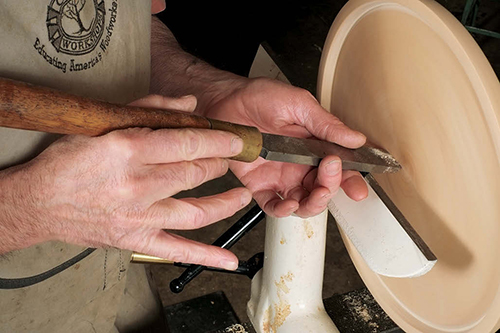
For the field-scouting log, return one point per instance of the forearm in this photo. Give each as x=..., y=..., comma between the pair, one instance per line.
x=175, y=72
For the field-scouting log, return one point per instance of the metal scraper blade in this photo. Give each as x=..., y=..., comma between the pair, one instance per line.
x=381, y=234
x=311, y=152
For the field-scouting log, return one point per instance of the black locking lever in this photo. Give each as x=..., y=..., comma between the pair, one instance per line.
x=225, y=241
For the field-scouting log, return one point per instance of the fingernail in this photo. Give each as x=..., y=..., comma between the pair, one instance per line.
x=186, y=96
x=325, y=198
x=228, y=264
x=246, y=198
x=225, y=165
x=236, y=145
x=333, y=167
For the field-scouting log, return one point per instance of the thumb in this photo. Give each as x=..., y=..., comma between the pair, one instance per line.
x=185, y=103
x=157, y=6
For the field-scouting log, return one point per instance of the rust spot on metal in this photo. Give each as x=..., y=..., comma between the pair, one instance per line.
x=308, y=229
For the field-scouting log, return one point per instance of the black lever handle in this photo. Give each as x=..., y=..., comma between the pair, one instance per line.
x=248, y=268
x=225, y=241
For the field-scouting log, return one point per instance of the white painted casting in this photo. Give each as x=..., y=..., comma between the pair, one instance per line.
x=287, y=292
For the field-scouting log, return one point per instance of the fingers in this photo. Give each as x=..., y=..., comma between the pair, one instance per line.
x=326, y=126
x=273, y=205
x=173, y=247
x=322, y=183
x=308, y=199
x=176, y=145
x=354, y=185
x=157, y=6
x=160, y=181
x=297, y=193
x=185, y=103
x=330, y=174
x=192, y=213
x=315, y=203
x=188, y=213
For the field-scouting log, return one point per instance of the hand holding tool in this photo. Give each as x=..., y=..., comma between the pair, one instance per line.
x=29, y=107
x=25, y=106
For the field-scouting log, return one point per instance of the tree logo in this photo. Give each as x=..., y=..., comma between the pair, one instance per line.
x=75, y=26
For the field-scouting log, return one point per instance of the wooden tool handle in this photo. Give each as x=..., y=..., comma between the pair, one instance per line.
x=25, y=106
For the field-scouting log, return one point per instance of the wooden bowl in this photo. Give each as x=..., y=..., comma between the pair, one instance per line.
x=409, y=75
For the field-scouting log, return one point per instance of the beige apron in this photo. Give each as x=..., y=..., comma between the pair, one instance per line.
x=95, y=48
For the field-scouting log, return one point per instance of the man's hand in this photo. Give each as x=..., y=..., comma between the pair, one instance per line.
x=274, y=107
x=116, y=190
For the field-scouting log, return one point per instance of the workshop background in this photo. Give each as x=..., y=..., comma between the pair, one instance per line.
x=227, y=35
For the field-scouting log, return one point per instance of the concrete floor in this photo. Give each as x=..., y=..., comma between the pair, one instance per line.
x=311, y=25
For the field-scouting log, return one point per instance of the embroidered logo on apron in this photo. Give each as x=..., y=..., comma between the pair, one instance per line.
x=75, y=26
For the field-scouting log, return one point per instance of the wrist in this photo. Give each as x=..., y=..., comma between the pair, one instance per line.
x=18, y=220
x=176, y=73
x=218, y=89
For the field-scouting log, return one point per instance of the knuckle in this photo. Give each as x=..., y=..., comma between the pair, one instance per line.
x=199, y=216
x=195, y=174
x=306, y=94
x=126, y=142
x=259, y=81
x=180, y=254
x=127, y=190
x=192, y=144
x=119, y=143
x=140, y=241
x=326, y=129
